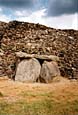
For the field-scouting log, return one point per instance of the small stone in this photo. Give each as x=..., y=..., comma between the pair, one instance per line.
x=1, y=54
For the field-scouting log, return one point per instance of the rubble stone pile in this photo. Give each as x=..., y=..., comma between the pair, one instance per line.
x=37, y=39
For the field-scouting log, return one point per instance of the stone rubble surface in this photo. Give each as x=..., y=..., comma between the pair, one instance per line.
x=37, y=39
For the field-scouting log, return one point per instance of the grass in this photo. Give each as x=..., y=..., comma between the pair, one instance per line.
x=38, y=99
x=46, y=106
x=38, y=94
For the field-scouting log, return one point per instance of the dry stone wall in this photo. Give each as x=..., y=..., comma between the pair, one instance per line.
x=38, y=39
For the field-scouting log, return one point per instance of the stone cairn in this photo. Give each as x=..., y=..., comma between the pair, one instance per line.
x=37, y=39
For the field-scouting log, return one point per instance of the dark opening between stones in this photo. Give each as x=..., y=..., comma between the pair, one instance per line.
x=21, y=59
x=41, y=80
x=41, y=61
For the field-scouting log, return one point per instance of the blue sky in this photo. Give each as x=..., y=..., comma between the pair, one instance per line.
x=53, y=13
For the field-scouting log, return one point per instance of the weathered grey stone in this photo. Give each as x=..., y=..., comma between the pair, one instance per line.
x=42, y=57
x=49, y=71
x=47, y=57
x=28, y=70
x=23, y=55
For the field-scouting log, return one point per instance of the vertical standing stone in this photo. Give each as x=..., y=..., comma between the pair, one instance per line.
x=28, y=70
x=49, y=71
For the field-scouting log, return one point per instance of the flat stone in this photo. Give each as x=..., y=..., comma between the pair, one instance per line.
x=47, y=57
x=23, y=55
x=42, y=57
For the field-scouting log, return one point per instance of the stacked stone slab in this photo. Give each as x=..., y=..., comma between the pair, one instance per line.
x=33, y=67
x=38, y=39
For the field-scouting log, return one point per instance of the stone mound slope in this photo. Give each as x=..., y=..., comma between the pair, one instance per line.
x=38, y=39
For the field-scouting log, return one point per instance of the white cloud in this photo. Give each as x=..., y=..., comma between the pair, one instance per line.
x=23, y=13
x=75, y=22
x=35, y=17
x=62, y=22
x=3, y=17
x=0, y=9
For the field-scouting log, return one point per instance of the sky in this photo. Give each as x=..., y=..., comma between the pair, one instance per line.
x=60, y=14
